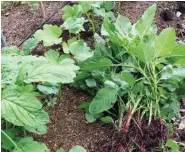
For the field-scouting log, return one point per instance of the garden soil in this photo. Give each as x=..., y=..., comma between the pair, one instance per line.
x=67, y=126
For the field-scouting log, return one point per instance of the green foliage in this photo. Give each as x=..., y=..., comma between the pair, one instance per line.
x=50, y=35
x=20, y=105
x=74, y=25
x=29, y=145
x=103, y=101
x=134, y=68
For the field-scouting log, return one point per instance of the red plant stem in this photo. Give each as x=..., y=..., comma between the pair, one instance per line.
x=127, y=124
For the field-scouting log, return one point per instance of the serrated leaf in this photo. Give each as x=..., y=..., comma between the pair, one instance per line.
x=128, y=78
x=77, y=149
x=22, y=108
x=74, y=25
x=102, y=13
x=12, y=50
x=104, y=100
x=142, y=26
x=52, y=56
x=123, y=25
x=86, y=6
x=50, y=69
x=80, y=50
x=50, y=35
x=165, y=42
x=29, y=145
x=71, y=11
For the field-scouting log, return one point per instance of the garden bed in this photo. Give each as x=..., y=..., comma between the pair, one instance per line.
x=67, y=126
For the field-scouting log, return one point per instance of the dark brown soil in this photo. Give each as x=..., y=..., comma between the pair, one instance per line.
x=140, y=138
x=67, y=126
x=18, y=22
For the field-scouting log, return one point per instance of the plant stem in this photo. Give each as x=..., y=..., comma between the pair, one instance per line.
x=120, y=115
x=90, y=20
x=9, y=138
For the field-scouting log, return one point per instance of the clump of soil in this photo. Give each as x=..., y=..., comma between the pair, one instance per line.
x=140, y=138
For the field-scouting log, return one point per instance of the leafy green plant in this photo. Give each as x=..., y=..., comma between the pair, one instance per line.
x=135, y=69
x=20, y=106
x=74, y=16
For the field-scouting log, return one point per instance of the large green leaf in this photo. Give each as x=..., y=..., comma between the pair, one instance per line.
x=22, y=108
x=71, y=11
x=144, y=52
x=77, y=149
x=80, y=50
x=51, y=69
x=123, y=25
x=29, y=145
x=142, y=26
x=93, y=64
x=50, y=35
x=74, y=25
x=104, y=100
x=165, y=42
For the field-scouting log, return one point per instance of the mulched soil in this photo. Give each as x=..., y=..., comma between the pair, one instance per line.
x=67, y=126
